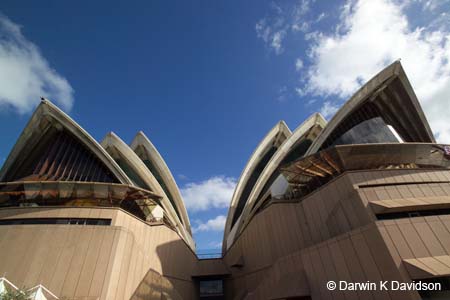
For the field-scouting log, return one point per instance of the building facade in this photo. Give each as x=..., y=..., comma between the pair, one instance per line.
x=364, y=198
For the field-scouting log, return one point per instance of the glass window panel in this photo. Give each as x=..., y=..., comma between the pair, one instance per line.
x=370, y=131
x=211, y=287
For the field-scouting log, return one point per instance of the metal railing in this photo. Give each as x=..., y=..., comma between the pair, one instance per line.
x=209, y=253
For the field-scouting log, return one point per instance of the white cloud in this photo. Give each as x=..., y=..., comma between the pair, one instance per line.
x=274, y=30
x=25, y=75
x=282, y=94
x=277, y=39
x=183, y=177
x=215, y=245
x=432, y=5
x=303, y=27
x=321, y=17
x=216, y=224
x=328, y=109
x=298, y=16
x=362, y=45
x=215, y=192
x=298, y=64
x=272, y=35
x=302, y=7
x=300, y=91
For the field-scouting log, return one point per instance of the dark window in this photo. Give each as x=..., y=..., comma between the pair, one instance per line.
x=364, y=125
x=63, y=221
x=412, y=214
x=370, y=131
x=210, y=288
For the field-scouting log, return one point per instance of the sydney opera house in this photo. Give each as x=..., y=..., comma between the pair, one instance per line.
x=364, y=197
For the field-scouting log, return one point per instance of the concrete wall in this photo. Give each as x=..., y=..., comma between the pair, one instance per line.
x=288, y=249
x=293, y=249
x=96, y=262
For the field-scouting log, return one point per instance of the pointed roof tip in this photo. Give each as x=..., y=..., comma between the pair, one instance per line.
x=282, y=122
x=108, y=138
x=140, y=133
x=45, y=101
x=48, y=102
x=398, y=67
x=282, y=125
x=318, y=115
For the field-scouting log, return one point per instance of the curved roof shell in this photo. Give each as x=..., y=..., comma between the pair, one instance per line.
x=148, y=153
x=48, y=116
x=259, y=158
x=141, y=176
x=308, y=130
x=391, y=94
x=387, y=95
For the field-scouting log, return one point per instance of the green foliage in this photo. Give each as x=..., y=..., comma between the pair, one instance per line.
x=15, y=295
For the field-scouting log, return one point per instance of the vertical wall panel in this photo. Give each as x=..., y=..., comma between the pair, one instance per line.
x=76, y=263
x=89, y=263
x=100, y=276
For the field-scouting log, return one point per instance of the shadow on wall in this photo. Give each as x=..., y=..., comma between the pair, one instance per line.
x=178, y=263
x=155, y=286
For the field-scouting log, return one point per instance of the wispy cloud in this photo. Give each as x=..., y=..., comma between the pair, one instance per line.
x=272, y=35
x=182, y=177
x=25, y=75
x=328, y=109
x=282, y=94
x=283, y=21
x=320, y=17
x=215, y=245
x=298, y=64
x=298, y=19
x=339, y=59
x=216, y=224
x=274, y=29
x=214, y=192
x=433, y=5
x=363, y=45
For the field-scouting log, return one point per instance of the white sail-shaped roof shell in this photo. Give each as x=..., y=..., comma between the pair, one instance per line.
x=150, y=153
x=391, y=94
x=119, y=149
x=276, y=136
x=403, y=105
x=48, y=115
x=314, y=121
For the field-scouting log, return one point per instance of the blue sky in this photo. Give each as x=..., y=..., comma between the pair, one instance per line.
x=205, y=80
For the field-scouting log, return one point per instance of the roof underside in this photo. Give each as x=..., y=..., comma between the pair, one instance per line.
x=388, y=95
x=53, y=147
x=322, y=166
